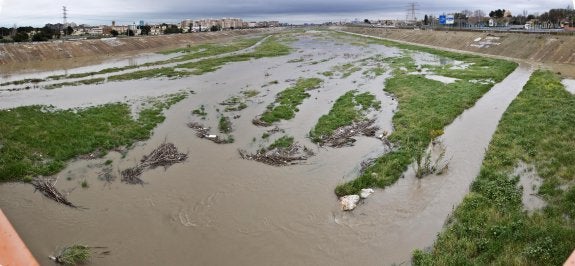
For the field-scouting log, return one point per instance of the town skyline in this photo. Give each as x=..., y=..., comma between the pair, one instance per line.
x=39, y=13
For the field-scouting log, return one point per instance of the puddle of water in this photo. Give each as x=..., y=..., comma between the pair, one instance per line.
x=569, y=85
x=530, y=181
x=442, y=79
x=216, y=203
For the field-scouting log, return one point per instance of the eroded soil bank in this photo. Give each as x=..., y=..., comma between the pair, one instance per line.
x=553, y=51
x=56, y=55
x=216, y=203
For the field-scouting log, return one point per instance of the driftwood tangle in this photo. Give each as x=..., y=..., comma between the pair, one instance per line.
x=279, y=156
x=48, y=189
x=204, y=133
x=343, y=136
x=165, y=155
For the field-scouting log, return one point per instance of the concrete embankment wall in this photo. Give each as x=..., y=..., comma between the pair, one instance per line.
x=20, y=55
x=556, y=51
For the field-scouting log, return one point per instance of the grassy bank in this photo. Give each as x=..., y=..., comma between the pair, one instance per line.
x=287, y=101
x=347, y=109
x=39, y=140
x=425, y=107
x=490, y=226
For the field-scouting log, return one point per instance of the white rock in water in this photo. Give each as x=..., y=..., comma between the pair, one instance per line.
x=366, y=192
x=349, y=202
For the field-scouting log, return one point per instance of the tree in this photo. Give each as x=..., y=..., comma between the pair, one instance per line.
x=145, y=30
x=215, y=28
x=425, y=20
x=114, y=33
x=21, y=37
x=172, y=29
x=499, y=13
x=366, y=21
x=69, y=30
x=130, y=33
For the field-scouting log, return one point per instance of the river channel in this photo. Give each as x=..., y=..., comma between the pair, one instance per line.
x=218, y=209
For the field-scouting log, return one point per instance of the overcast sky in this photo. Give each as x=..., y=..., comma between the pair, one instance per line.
x=96, y=12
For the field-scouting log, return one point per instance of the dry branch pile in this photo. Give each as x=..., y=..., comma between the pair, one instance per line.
x=165, y=155
x=280, y=156
x=343, y=136
x=48, y=189
x=204, y=133
x=258, y=122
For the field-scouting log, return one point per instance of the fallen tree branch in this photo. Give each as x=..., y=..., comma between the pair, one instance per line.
x=48, y=189
x=165, y=155
x=279, y=156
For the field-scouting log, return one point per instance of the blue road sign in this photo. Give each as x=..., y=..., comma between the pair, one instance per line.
x=442, y=19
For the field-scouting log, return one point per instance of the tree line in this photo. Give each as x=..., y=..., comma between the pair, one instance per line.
x=553, y=17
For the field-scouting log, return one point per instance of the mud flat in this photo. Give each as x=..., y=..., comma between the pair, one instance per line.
x=216, y=203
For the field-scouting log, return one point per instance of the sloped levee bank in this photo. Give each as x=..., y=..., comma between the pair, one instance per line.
x=556, y=52
x=495, y=224
x=67, y=54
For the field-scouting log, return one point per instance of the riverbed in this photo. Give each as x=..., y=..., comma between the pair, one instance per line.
x=218, y=209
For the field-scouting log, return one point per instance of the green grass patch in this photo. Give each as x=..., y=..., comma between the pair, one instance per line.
x=250, y=93
x=347, y=109
x=269, y=48
x=346, y=70
x=75, y=83
x=168, y=72
x=327, y=73
x=425, y=106
x=490, y=226
x=225, y=125
x=200, y=111
x=283, y=142
x=287, y=101
x=39, y=140
x=21, y=82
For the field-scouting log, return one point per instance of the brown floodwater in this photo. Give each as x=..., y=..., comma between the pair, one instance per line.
x=217, y=209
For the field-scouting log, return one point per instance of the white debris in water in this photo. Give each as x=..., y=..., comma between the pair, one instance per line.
x=446, y=80
x=483, y=81
x=569, y=85
x=530, y=181
x=365, y=193
x=349, y=202
x=461, y=66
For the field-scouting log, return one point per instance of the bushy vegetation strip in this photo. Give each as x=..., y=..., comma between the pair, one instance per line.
x=39, y=140
x=491, y=226
x=425, y=107
x=349, y=108
x=287, y=101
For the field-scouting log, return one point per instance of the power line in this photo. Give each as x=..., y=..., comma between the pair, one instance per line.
x=64, y=19
x=411, y=10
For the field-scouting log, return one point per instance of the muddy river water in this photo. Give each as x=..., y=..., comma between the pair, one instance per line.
x=217, y=209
